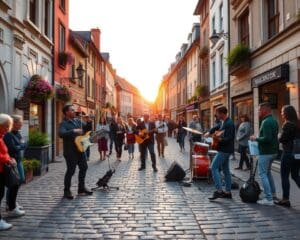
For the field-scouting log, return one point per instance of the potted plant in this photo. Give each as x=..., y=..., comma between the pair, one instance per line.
x=201, y=91
x=63, y=94
x=29, y=166
x=38, y=148
x=38, y=89
x=238, y=59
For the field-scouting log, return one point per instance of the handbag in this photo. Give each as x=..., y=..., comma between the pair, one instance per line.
x=11, y=176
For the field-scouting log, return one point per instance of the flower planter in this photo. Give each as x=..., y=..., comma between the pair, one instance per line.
x=239, y=69
x=28, y=175
x=40, y=153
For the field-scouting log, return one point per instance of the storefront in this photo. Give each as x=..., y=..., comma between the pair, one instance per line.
x=205, y=115
x=191, y=109
x=271, y=87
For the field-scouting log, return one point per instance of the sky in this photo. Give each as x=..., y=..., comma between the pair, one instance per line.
x=141, y=36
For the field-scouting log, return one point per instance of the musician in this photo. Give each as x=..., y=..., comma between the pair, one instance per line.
x=69, y=129
x=224, y=133
x=162, y=129
x=148, y=143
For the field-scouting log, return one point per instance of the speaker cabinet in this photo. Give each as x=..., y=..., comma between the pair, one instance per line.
x=175, y=172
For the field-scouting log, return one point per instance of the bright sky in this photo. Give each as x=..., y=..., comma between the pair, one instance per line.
x=141, y=36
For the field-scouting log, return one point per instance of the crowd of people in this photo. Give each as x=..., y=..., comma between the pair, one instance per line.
x=145, y=132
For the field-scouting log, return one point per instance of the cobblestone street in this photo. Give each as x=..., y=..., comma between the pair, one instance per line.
x=145, y=207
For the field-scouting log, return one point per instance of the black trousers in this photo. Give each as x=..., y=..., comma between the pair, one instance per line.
x=150, y=147
x=244, y=156
x=12, y=193
x=118, y=147
x=72, y=162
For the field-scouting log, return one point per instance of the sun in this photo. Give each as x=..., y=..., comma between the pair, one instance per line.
x=148, y=91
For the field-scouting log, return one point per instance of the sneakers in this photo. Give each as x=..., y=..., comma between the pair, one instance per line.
x=16, y=212
x=141, y=168
x=4, y=225
x=84, y=192
x=17, y=205
x=284, y=203
x=216, y=194
x=68, y=194
x=265, y=202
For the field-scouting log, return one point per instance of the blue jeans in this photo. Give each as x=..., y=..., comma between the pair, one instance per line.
x=130, y=148
x=264, y=168
x=221, y=162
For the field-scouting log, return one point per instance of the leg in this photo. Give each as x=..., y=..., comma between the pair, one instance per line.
x=270, y=176
x=215, y=166
x=2, y=188
x=143, y=149
x=158, y=144
x=152, y=154
x=295, y=171
x=12, y=197
x=226, y=171
x=71, y=166
x=263, y=166
x=285, y=173
x=82, y=164
x=21, y=171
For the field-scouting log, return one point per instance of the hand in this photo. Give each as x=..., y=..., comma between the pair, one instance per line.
x=206, y=135
x=78, y=130
x=252, y=138
x=13, y=162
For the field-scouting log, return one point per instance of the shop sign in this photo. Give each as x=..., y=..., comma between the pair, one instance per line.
x=279, y=72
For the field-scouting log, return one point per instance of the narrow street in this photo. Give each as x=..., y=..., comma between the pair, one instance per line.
x=145, y=207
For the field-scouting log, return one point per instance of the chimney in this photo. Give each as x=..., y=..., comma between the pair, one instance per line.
x=96, y=37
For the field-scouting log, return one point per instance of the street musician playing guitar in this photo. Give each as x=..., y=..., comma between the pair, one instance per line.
x=223, y=135
x=146, y=130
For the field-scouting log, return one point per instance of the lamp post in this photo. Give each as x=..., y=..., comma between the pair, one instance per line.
x=214, y=38
x=80, y=73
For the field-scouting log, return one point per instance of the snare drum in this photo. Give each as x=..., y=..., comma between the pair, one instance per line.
x=201, y=166
x=200, y=148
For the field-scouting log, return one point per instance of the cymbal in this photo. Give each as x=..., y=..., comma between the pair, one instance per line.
x=192, y=130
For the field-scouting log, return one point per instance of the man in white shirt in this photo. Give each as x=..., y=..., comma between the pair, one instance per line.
x=162, y=129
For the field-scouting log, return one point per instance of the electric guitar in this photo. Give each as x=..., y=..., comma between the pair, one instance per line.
x=84, y=141
x=143, y=135
x=216, y=139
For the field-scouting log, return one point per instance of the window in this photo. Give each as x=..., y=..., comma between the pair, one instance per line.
x=62, y=38
x=244, y=28
x=273, y=18
x=213, y=25
x=62, y=4
x=47, y=18
x=214, y=74
x=1, y=35
x=221, y=69
x=33, y=11
x=221, y=17
x=89, y=86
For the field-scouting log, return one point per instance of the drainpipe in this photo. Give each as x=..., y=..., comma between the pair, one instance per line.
x=53, y=99
x=228, y=47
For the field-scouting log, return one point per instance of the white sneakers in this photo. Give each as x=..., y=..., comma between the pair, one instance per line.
x=4, y=225
x=17, y=212
x=265, y=202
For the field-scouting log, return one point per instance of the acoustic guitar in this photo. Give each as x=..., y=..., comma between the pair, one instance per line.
x=216, y=139
x=143, y=135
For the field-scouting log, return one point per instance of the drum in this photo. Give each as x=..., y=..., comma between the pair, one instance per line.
x=212, y=154
x=200, y=148
x=201, y=166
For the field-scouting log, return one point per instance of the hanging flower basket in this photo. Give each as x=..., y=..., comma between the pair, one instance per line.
x=65, y=58
x=63, y=94
x=38, y=89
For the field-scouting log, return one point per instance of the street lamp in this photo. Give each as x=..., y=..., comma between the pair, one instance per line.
x=80, y=73
x=214, y=38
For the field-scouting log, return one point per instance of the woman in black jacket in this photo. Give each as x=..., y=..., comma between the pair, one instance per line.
x=290, y=131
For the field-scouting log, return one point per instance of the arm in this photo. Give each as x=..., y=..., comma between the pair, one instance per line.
x=4, y=156
x=228, y=133
x=65, y=133
x=11, y=145
x=288, y=133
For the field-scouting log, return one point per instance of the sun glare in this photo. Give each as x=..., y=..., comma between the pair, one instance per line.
x=149, y=92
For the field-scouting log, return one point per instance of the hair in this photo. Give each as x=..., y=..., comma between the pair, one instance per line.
x=5, y=118
x=222, y=110
x=102, y=117
x=17, y=118
x=66, y=108
x=245, y=116
x=290, y=114
x=133, y=122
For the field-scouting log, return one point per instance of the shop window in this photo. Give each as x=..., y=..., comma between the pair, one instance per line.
x=273, y=17
x=244, y=28
x=36, y=117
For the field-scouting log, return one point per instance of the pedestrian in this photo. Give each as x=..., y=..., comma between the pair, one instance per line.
x=162, y=129
x=16, y=146
x=6, y=123
x=69, y=129
x=224, y=133
x=146, y=130
x=181, y=133
x=119, y=137
x=242, y=137
x=268, y=150
x=112, y=132
x=88, y=127
x=195, y=124
x=103, y=136
x=130, y=137
x=289, y=165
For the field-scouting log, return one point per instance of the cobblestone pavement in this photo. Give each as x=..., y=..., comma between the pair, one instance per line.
x=145, y=207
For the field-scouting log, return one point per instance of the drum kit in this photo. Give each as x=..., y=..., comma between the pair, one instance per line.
x=201, y=158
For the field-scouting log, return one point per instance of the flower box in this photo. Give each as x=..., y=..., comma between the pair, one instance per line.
x=63, y=94
x=38, y=89
x=65, y=58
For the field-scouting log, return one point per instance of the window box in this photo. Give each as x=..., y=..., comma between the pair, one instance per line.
x=238, y=59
